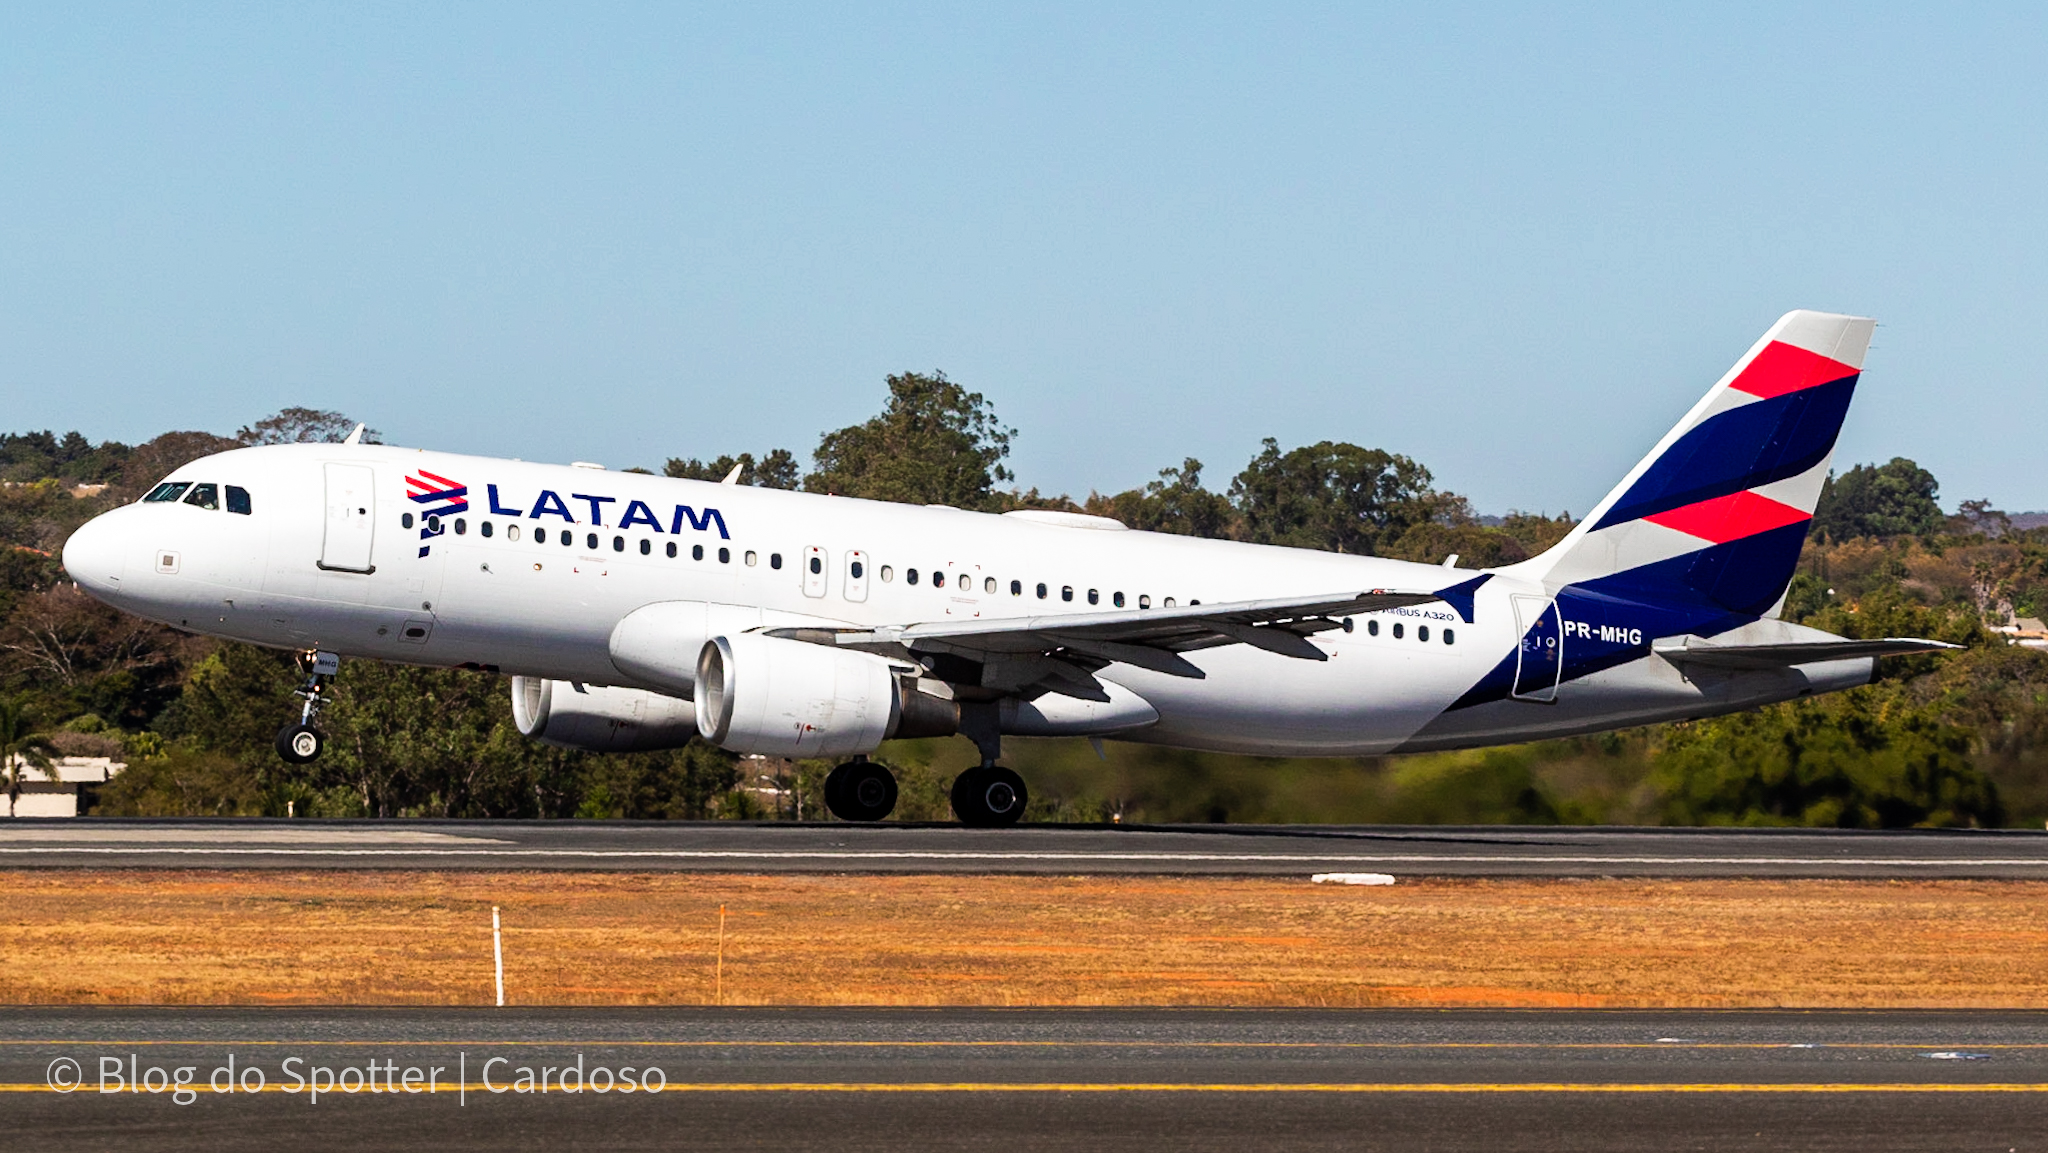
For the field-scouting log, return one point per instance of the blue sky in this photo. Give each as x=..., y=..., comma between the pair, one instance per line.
x=1514, y=243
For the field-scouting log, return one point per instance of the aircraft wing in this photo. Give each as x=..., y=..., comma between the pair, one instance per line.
x=1061, y=652
x=1705, y=654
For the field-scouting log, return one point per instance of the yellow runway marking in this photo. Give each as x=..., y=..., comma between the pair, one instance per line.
x=1195, y=1087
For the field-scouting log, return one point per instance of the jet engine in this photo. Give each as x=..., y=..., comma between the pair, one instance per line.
x=600, y=718
x=790, y=698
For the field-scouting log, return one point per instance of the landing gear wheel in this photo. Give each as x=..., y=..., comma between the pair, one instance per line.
x=860, y=791
x=989, y=797
x=300, y=744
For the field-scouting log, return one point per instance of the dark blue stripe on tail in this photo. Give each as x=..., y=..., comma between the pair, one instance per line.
x=1740, y=449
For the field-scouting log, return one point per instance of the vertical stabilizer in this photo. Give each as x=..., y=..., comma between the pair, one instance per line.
x=1715, y=516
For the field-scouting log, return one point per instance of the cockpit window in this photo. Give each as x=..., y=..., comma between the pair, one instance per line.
x=238, y=499
x=204, y=495
x=168, y=490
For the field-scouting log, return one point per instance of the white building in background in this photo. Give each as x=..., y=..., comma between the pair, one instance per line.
x=65, y=788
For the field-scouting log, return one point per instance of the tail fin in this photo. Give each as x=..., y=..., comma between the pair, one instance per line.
x=1716, y=514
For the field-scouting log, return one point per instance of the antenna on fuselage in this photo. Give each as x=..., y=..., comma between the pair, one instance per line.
x=354, y=437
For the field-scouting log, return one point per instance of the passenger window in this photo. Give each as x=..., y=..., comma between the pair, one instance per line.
x=1117, y=599
x=725, y=556
x=856, y=569
x=1041, y=590
x=618, y=544
x=405, y=521
x=461, y=527
x=1168, y=603
x=1066, y=592
x=989, y=585
x=484, y=528
x=818, y=566
x=1144, y=602
x=1450, y=636
x=238, y=499
x=1397, y=630
x=753, y=558
x=671, y=550
x=1372, y=628
x=966, y=583
x=168, y=490
x=1094, y=598
x=434, y=524
x=1421, y=632
x=1016, y=588
x=888, y=573
x=696, y=552
x=646, y=547
x=511, y=532
x=910, y=576
x=205, y=496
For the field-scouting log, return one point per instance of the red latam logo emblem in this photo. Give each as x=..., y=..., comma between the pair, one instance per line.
x=438, y=497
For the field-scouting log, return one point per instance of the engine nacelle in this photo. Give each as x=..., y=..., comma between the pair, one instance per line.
x=600, y=718
x=790, y=698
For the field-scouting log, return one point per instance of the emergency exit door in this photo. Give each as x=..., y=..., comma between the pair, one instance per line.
x=1541, y=659
x=351, y=523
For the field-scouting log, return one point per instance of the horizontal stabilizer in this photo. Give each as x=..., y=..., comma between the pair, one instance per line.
x=1692, y=651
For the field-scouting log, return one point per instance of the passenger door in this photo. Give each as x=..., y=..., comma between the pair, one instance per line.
x=1541, y=659
x=351, y=519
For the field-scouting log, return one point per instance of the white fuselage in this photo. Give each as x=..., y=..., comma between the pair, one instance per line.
x=519, y=584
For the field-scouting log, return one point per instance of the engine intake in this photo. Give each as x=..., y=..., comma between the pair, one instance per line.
x=600, y=718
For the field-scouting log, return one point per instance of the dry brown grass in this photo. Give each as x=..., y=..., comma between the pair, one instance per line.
x=408, y=938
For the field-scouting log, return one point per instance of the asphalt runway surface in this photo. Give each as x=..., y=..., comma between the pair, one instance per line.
x=1022, y=1080
x=724, y=846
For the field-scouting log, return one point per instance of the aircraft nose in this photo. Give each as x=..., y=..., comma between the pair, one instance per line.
x=94, y=556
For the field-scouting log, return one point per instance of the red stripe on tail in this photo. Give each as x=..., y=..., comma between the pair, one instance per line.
x=1727, y=518
x=1781, y=368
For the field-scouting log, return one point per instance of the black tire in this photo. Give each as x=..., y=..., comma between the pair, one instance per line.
x=989, y=797
x=861, y=791
x=300, y=744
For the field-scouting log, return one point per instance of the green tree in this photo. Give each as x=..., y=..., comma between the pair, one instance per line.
x=1333, y=496
x=777, y=468
x=1891, y=499
x=21, y=748
x=1868, y=758
x=933, y=443
x=297, y=425
x=1175, y=503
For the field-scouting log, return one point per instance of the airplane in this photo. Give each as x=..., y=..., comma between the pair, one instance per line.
x=636, y=612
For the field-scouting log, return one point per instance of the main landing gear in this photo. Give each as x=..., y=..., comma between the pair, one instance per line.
x=860, y=791
x=301, y=743
x=988, y=796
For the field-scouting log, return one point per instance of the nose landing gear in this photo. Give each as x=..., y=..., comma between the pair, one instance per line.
x=300, y=743
x=860, y=791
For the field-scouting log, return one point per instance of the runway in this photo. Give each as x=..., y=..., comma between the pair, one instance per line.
x=1024, y=1080
x=723, y=846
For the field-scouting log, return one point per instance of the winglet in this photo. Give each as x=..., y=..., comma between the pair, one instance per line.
x=1459, y=596
x=733, y=477
x=355, y=436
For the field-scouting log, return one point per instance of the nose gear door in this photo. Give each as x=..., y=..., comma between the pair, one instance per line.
x=1541, y=660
